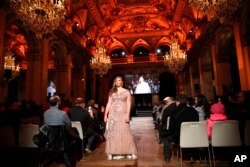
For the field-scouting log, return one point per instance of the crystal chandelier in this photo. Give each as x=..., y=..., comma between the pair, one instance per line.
x=176, y=58
x=9, y=65
x=41, y=16
x=101, y=62
x=217, y=9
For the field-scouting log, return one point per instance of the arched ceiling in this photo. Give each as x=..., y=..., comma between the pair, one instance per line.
x=121, y=23
x=128, y=24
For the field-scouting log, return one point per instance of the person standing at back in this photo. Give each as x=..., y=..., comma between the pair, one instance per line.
x=119, y=139
x=166, y=135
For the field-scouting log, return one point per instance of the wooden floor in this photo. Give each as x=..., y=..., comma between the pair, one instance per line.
x=150, y=152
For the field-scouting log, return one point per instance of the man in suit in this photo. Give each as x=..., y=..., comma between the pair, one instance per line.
x=80, y=113
x=165, y=133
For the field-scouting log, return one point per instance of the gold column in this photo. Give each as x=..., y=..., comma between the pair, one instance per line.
x=78, y=82
x=2, y=82
x=191, y=81
x=243, y=60
x=201, y=78
x=180, y=83
x=37, y=72
x=93, y=85
x=246, y=50
x=63, y=81
x=218, y=89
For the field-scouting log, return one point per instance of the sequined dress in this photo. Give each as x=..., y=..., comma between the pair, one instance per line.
x=119, y=136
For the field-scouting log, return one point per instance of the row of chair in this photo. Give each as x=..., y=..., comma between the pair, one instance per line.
x=25, y=135
x=224, y=134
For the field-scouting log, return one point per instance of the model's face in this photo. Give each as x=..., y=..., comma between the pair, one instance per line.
x=118, y=82
x=196, y=100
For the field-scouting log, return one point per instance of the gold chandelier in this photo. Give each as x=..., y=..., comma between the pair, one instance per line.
x=101, y=62
x=217, y=9
x=176, y=58
x=9, y=65
x=41, y=16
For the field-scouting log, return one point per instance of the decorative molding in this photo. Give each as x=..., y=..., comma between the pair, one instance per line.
x=95, y=13
x=179, y=10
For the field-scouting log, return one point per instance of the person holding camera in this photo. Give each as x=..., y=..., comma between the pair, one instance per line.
x=86, y=117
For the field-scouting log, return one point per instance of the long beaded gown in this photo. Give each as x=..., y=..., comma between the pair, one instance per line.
x=119, y=136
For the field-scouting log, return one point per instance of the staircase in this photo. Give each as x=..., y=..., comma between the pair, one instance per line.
x=142, y=123
x=143, y=112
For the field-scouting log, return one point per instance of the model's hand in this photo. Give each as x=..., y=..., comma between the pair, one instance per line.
x=127, y=119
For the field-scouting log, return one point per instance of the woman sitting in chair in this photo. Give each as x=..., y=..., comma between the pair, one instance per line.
x=217, y=114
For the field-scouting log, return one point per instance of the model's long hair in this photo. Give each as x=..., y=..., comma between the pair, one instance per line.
x=114, y=87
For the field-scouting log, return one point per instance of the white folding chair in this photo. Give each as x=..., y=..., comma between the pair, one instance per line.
x=78, y=126
x=194, y=135
x=26, y=133
x=247, y=133
x=7, y=137
x=225, y=134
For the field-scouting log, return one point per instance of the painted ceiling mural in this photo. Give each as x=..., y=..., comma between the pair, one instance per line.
x=121, y=23
x=128, y=24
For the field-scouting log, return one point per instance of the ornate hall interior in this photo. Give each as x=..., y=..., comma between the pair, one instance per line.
x=136, y=37
x=75, y=48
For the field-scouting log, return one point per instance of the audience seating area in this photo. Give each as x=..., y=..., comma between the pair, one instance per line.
x=225, y=134
x=194, y=135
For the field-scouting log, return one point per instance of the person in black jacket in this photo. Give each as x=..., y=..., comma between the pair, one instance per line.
x=165, y=133
x=80, y=113
x=183, y=113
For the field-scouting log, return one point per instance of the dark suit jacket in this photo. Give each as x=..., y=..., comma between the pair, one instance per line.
x=166, y=113
x=77, y=113
x=183, y=113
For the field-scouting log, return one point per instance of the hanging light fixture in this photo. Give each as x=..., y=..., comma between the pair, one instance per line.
x=100, y=63
x=217, y=9
x=176, y=58
x=10, y=68
x=41, y=16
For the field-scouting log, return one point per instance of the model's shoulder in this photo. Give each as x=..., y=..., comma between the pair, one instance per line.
x=126, y=91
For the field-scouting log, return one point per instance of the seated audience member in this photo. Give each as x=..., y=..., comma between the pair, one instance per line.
x=80, y=113
x=202, y=107
x=55, y=117
x=183, y=113
x=217, y=114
